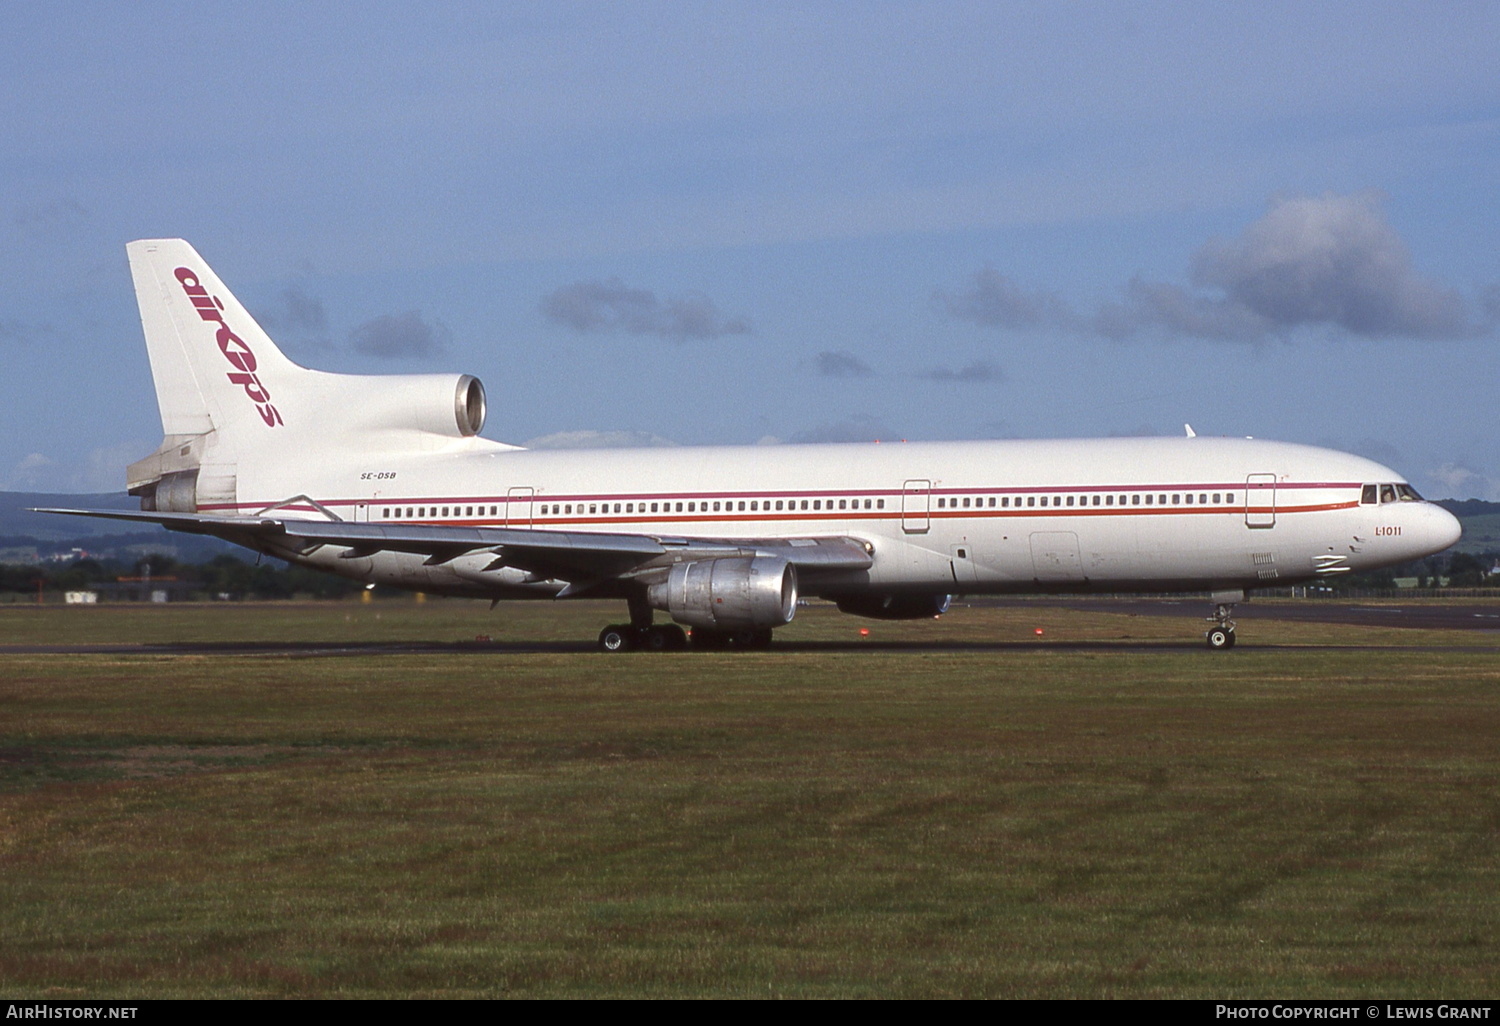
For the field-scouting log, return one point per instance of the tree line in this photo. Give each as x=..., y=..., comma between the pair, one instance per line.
x=220, y=576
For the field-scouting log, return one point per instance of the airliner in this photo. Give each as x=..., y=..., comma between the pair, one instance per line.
x=386, y=480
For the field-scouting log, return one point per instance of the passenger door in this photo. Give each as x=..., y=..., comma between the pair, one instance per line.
x=916, y=506
x=518, y=503
x=1260, y=500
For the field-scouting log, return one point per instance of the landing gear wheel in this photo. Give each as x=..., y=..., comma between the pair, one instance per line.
x=748, y=638
x=708, y=640
x=1221, y=638
x=617, y=637
x=1221, y=635
x=667, y=638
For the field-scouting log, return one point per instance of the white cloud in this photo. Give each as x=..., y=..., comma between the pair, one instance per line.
x=598, y=440
x=102, y=470
x=1463, y=482
x=974, y=373
x=393, y=336
x=30, y=474
x=995, y=301
x=858, y=428
x=1331, y=260
x=842, y=364
x=1311, y=261
x=612, y=306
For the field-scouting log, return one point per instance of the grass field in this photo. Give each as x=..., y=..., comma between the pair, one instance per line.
x=946, y=808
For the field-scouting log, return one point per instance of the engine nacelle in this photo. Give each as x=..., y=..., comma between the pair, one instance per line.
x=187, y=491
x=896, y=607
x=172, y=493
x=735, y=592
x=441, y=404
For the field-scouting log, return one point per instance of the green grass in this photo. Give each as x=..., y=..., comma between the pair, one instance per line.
x=1020, y=819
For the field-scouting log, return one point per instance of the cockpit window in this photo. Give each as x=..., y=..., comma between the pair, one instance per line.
x=1367, y=495
x=1408, y=493
x=1387, y=493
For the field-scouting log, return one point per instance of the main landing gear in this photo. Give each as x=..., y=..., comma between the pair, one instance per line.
x=748, y=637
x=622, y=637
x=640, y=635
x=1221, y=634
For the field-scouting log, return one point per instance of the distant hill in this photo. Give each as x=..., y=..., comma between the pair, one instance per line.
x=1463, y=508
x=1481, y=522
x=17, y=522
x=40, y=534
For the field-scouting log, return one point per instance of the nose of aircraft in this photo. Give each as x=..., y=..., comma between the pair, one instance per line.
x=1439, y=529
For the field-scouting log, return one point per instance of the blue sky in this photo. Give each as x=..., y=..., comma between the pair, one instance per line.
x=736, y=223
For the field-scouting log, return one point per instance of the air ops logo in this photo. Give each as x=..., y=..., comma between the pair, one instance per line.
x=211, y=308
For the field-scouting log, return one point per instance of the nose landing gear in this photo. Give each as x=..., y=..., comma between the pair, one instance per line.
x=1221, y=634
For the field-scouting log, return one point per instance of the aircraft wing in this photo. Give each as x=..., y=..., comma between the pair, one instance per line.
x=579, y=557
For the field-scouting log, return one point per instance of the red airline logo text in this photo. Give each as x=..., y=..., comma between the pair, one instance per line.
x=211, y=308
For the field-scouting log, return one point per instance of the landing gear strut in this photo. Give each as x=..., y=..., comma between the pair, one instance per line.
x=640, y=634
x=1221, y=634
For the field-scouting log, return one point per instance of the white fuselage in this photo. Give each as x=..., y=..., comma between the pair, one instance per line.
x=1120, y=514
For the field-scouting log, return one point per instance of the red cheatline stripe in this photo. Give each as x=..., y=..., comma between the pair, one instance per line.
x=893, y=496
x=638, y=521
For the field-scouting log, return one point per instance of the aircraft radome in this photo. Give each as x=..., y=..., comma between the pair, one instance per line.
x=385, y=479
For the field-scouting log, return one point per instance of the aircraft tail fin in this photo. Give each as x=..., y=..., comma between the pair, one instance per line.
x=214, y=367
x=218, y=376
x=228, y=396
